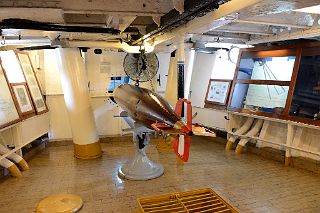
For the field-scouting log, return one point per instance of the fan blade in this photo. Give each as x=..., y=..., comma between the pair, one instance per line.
x=181, y=146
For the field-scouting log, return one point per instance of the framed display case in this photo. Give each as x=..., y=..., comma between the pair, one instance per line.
x=22, y=98
x=218, y=92
x=305, y=104
x=32, y=82
x=8, y=111
x=278, y=82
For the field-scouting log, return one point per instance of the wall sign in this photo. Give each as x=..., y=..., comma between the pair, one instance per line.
x=8, y=110
x=32, y=82
x=23, y=99
x=218, y=92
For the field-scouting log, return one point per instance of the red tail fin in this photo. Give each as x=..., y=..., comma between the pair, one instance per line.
x=181, y=146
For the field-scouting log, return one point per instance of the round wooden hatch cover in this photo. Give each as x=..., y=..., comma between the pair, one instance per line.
x=60, y=203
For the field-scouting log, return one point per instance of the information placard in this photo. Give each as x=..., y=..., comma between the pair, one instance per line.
x=8, y=110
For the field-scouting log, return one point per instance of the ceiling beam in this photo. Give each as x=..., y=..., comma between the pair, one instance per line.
x=242, y=31
x=205, y=23
x=271, y=23
x=213, y=37
x=307, y=33
x=125, y=22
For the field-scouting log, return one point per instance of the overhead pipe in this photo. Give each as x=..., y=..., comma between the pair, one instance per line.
x=105, y=44
x=15, y=157
x=253, y=132
x=36, y=25
x=243, y=129
x=12, y=168
x=272, y=24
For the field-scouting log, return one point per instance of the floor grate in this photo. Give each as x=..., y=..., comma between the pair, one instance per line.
x=200, y=200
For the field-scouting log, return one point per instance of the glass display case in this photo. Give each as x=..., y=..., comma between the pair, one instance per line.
x=262, y=82
x=271, y=68
x=306, y=95
x=279, y=82
x=259, y=98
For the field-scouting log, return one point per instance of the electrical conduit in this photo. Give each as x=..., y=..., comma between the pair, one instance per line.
x=243, y=129
x=253, y=132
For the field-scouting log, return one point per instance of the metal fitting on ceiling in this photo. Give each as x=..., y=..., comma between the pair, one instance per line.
x=172, y=20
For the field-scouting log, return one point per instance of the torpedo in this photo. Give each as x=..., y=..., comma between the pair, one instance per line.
x=154, y=112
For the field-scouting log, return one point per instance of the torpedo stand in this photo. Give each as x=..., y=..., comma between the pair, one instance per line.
x=140, y=167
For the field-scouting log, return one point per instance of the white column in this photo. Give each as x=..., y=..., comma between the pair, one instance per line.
x=180, y=68
x=188, y=74
x=172, y=82
x=76, y=96
x=290, y=136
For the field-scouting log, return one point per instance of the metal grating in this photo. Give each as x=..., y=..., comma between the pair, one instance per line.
x=201, y=200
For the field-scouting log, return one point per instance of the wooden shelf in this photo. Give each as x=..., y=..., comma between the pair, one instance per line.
x=274, y=143
x=27, y=131
x=275, y=120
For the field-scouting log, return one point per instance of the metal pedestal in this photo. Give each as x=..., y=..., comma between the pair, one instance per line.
x=140, y=167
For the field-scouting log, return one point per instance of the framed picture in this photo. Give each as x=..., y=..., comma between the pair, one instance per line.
x=32, y=82
x=8, y=111
x=218, y=92
x=22, y=98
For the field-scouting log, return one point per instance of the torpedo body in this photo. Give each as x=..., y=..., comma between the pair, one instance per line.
x=145, y=106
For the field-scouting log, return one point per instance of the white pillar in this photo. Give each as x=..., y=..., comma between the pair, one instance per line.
x=188, y=74
x=172, y=82
x=180, y=68
x=76, y=96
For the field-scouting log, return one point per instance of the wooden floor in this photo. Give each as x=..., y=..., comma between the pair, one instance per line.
x=248, y=182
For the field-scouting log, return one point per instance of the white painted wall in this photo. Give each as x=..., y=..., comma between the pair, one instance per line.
x=202, y=71
x=164, y=60
x=206, y=66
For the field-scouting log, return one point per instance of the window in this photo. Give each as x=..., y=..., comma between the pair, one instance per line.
x=115, y=81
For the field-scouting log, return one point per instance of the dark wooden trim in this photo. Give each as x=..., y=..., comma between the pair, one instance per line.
x=269, y=53
x=227, y=95
x=235, y=76
x=311, y=51
x=25, y=53
x=263, y=82
x=29, y=113
x=292, y=82
x=281, y=47
x=214, y=106
x=11, y=92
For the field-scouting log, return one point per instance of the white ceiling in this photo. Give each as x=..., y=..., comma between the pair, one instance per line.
x=238, y=21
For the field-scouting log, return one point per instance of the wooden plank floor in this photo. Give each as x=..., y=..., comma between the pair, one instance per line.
x=248, y=182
